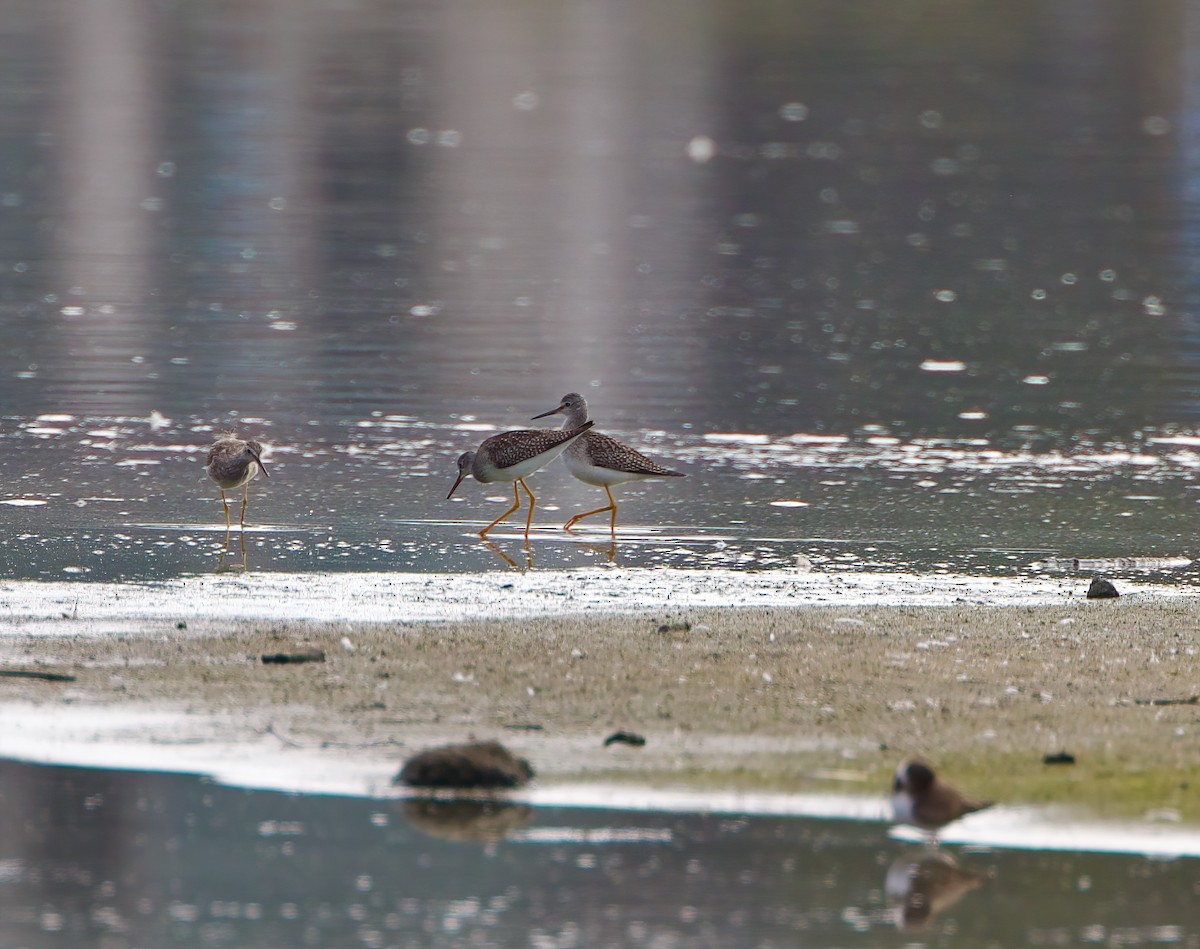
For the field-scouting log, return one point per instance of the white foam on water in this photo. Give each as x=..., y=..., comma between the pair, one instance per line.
x=33, y=607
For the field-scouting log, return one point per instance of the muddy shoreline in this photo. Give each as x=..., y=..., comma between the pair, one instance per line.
x=776, y=699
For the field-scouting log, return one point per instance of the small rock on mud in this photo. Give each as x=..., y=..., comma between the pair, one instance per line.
x=285, y=658
x=1101, y=589
x=472, y=765
x=625, y=738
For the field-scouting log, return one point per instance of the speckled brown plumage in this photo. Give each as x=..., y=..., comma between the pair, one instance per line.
x=602, y=461
x=233, y=463
x=511, y=448
x=514, y=456
x=604, y=452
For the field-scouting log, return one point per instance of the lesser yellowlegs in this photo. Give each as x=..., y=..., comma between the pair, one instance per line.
x=514, y=456
x=233, y=463
x=602, y=461
x=922, y=799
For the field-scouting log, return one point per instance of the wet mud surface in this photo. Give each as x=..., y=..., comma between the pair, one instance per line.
x=820, y=698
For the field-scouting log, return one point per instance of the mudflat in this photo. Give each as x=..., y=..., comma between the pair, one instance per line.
x=804, y=698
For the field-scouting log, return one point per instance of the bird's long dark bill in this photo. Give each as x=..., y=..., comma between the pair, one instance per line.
x=261, y=466
x=461, y=475
x=544, y=414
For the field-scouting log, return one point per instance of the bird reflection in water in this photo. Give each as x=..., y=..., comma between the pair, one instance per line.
x=608, y=551
x=924, y=884
x=223, y=564
x=499, y=552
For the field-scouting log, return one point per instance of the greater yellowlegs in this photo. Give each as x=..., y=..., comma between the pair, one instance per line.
x=922, y=799
x=514, y=456
x=602, y=461
x=233, y=463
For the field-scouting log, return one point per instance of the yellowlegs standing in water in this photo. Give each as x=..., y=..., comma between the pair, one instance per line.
x=233, y=463
x=514, y=456
x=602, y=461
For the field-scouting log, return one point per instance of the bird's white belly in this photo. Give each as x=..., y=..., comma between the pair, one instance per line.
x=522, y=469
x=902, y=809
x=588, y=473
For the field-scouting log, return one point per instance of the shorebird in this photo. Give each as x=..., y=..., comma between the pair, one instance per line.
x=514, y=456
x=922, y=799
x=233, y=463
x=602, y=461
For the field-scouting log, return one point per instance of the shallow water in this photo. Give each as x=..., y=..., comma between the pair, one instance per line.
x=113, y=858
x=107, y=499
x=899, y=287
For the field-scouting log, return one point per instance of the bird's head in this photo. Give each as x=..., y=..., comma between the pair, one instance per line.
x=465, y=460
x=913, y=776
x=571, y=402
x=255, y=451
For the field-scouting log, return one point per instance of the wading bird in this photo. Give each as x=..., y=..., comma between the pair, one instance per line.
x=233, y=463
x=602, y=461
x=514, y=456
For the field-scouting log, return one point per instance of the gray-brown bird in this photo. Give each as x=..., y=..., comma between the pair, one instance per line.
x=602, y=461
x=922, y=799
x=233, y=463
x=514, y=456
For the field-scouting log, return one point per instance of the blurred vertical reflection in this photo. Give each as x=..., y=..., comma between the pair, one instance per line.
x=934, y=218
x=243, y=181
x=107, y=134
x=1185, y=123
x=565, y=219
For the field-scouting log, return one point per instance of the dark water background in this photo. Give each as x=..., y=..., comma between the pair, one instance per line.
x=353, y=228
x=960, y=235
x=124, y=859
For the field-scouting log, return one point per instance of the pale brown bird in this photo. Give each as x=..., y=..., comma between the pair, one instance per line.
x=233, y=463
x=602, y=461
x=923, y=800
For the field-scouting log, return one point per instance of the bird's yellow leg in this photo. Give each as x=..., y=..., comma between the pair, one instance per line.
x=610, y=506
x=516, y=506
x=532, y=502
x=245, y=501
x=225, y=504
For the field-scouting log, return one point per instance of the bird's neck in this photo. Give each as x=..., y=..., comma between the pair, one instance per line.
x=576, y=416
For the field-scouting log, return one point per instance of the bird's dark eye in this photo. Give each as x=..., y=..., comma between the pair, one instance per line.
x=897, y=784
